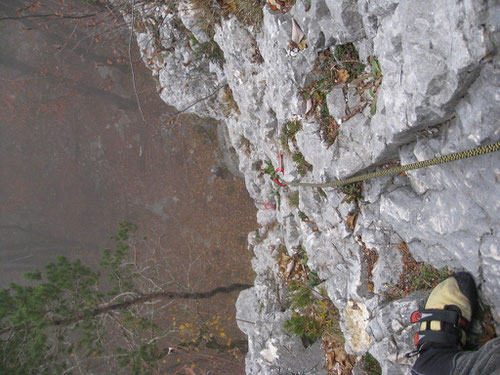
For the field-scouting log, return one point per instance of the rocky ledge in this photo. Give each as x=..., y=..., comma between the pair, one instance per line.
x=430, y=86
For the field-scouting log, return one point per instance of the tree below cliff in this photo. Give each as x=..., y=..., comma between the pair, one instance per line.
x=73, y=318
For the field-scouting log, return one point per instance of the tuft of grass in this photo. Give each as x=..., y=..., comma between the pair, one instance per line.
x=300, y=296
x=369, y=82
x=290, y=129
x=332, y=69
x=429, y=277
x=341, y=67
x=303, y=216
x=328, y=125
x=293, y=199
x=352, y=192
x=303, y=326
x=348, y=57
x=371, y=365
x=248, y=12
x=302, y=165
x=314, y=316
x=415, y=276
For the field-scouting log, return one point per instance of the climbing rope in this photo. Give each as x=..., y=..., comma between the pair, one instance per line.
x=403, y=168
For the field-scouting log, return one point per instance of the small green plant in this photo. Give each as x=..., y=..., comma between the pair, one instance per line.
x=322, y=193
x=314, y=281
x=314, y=314
x=332, y=68
x=352, y=191
x=429, y=276
x=414, y=276
x=270, y=170
x=293, y=199
x=280, y=252
x=341, y=67
x=302, y=165
x=301, y=295
x=370, y=82
x=348, y=57
x=303, y=216
x=328, y=125
x=303, y=326
x=249, y=12
x=290, y=129
x=371, y=365
x=284, y=142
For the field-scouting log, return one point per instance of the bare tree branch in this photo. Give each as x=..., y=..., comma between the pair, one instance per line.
x=52, y=15
x=130, y=60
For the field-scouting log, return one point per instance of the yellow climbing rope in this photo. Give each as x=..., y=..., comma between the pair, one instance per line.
x=402, y=168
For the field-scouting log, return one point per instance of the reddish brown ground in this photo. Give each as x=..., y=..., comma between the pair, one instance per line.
x=76, y=158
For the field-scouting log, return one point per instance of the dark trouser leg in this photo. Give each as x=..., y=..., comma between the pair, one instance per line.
x=485, y=361
x=435, y=361
x=442, y=361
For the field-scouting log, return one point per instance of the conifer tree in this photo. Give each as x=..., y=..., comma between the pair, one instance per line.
x=75, y=319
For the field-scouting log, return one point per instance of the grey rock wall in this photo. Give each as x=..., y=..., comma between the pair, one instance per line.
x=440, y=94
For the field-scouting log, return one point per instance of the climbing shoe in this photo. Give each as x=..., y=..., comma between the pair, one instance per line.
x=444, y=323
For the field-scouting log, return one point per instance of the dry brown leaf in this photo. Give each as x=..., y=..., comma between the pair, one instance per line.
x=302, y=44
x=273, y=5
x=229, y=5
x=282, y=6
x=351, y=222
x=342, y=75
x=289, y=268
x=371, y=286
x=309, y=106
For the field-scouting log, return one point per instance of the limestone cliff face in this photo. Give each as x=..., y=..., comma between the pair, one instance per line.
x=440, y=93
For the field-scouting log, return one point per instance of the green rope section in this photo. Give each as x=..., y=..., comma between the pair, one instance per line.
x=421, y=164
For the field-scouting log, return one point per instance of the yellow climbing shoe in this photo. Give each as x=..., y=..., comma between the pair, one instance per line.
x=448, y=312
